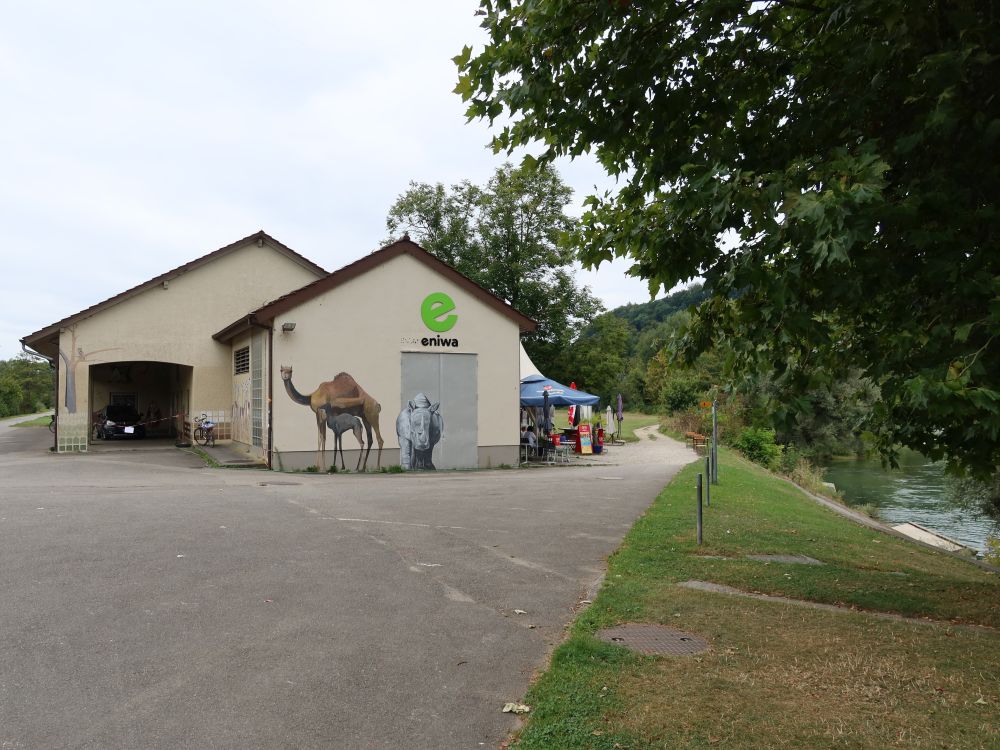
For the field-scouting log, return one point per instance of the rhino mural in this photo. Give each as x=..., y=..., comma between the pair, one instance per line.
x=419, y=427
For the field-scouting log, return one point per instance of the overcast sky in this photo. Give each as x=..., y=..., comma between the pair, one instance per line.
x=138, y=136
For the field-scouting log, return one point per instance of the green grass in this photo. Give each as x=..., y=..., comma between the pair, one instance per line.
x=633, y=420
x=777, y=675
x=36, y=422
x=204, y=455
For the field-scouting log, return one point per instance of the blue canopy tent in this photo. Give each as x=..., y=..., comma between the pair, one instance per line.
x=535, y=387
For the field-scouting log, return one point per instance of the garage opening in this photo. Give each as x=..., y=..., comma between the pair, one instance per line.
x=143, y=400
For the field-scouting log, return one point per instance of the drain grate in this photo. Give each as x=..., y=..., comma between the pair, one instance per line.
x=654, y=639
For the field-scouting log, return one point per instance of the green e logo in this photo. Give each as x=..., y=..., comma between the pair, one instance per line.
x=434, y=312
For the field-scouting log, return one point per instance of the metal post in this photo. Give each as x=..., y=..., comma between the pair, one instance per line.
x=714, y=476
x=699, y=509
x=708, y=486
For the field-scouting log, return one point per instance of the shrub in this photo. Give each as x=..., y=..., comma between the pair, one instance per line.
x=689, y=420
x=679, y=393
x=757, y=444
x=869, y=509
x=808, y=475
x=789, y=460
x=992, y=554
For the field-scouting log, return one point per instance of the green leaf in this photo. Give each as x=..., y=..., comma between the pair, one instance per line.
x=464, y=87
x=461, y=60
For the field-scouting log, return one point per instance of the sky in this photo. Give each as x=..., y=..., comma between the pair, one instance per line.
x=138, y=136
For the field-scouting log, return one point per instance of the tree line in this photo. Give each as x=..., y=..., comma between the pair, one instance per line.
x=26, y=386
x=828, y=168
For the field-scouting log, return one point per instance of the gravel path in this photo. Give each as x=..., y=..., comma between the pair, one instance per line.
x=652, y=448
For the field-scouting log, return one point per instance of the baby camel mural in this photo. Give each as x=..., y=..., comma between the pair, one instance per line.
x=339, y=424
x=342, y=395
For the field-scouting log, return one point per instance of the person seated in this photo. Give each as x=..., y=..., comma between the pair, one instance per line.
x=529, y=442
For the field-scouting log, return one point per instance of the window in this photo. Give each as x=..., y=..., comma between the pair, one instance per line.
x=124, y=399
x=241, y=360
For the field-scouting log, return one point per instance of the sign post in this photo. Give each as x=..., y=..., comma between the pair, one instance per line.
x=715, y=444
x=698, y=522
x=708, y=487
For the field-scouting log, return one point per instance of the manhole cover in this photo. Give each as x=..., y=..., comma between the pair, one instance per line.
x=654, y=639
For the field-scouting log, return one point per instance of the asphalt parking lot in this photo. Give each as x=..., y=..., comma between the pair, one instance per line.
x=152, y=603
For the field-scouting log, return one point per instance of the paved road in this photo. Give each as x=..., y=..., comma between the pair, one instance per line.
x=14, y=439
x=149, y=603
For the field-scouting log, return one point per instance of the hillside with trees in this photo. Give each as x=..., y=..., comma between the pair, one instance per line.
x=644, y=315
x=614, y=355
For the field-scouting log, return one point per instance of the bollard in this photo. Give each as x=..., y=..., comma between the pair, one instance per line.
x=699, y=509
x=708, y=486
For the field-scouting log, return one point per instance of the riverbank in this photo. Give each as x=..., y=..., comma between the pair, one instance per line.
x=777, y=673
x=915, y=492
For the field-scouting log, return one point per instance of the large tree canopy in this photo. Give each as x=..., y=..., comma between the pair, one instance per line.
x=505, y=236
x=829, y=168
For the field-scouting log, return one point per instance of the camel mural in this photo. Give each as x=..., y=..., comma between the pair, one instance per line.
x=342, y=395
x=339, y=424
x=419, y=427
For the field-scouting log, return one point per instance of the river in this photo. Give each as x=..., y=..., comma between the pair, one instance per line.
x=916, y=492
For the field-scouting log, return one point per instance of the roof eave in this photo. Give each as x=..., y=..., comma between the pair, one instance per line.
x=237, y=327
x=42, y=345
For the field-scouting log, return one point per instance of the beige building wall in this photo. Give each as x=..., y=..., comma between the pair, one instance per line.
x=362, y=327
x=174, y=323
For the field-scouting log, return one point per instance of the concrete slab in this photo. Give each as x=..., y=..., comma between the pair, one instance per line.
x=227, y=454
x=131, y=445
x=791, y=559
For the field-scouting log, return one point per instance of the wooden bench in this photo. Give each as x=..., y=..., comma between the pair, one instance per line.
x=697, y=439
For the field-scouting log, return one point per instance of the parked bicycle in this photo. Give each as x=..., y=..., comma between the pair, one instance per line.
x=204, y=433
x=52, y=423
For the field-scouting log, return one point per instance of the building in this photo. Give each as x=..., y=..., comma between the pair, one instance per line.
x=397, y=347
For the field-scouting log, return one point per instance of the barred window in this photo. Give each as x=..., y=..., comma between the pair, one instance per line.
x=241, y=360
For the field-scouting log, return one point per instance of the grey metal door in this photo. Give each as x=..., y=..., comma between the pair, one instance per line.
x=450, y=379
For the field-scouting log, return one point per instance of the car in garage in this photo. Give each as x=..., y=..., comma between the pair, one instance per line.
x=119, y=420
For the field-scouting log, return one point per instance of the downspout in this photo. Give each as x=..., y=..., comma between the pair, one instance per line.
x=270, y=386
x=270, y=393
